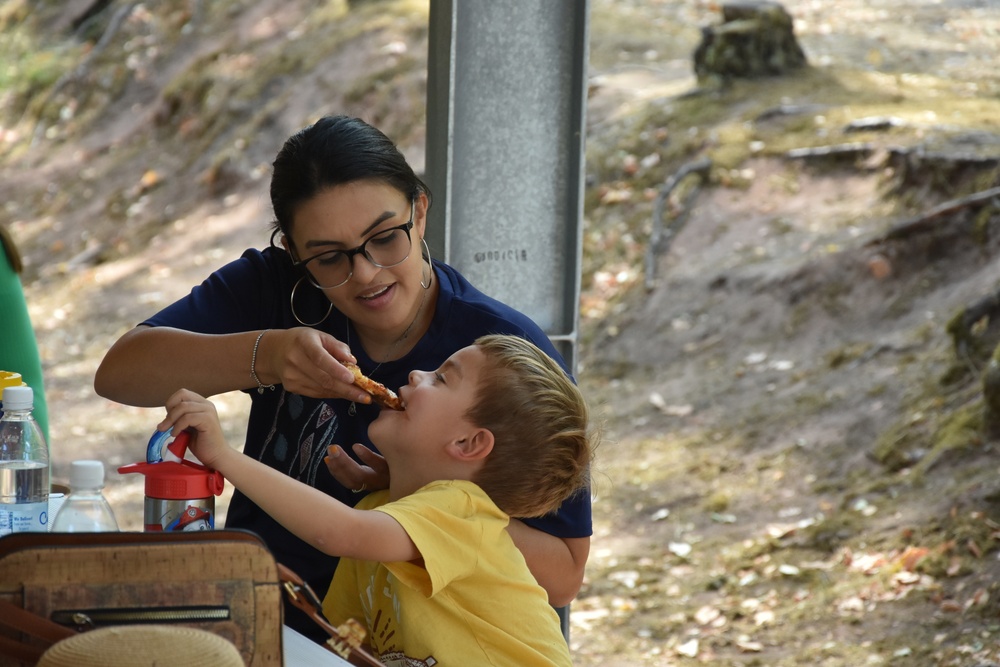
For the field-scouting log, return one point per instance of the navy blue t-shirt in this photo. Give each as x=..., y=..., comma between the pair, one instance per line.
x=291, y=433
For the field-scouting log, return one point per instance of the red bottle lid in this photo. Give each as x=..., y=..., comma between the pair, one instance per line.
x=186, y=480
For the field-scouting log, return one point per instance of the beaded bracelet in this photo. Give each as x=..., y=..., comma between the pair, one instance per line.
x=253, y=365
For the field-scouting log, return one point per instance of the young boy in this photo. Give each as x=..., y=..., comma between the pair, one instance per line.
x=498, y=430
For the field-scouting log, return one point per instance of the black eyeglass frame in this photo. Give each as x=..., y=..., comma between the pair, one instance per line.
x=350, y=253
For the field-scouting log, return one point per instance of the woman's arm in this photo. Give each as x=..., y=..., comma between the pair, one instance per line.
x=556, y=563
x=321, y=520
x=148, y=364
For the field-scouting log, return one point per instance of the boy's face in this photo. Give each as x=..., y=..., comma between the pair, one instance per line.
x=436, y=403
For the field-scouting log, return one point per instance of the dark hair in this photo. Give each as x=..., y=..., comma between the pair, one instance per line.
x=333, y=151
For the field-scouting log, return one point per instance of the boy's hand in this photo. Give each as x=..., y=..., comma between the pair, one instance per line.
x=372, y=476
x=188, y=410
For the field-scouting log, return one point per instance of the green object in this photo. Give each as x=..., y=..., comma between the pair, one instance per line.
x=19, y=351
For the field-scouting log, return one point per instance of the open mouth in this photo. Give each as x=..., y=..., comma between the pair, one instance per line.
x=372, y=296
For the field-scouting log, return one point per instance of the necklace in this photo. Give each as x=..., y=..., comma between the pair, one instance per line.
x=352, y=410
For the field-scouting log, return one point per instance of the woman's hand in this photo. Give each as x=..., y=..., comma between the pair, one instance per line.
x=307, y=362
x=370, y=475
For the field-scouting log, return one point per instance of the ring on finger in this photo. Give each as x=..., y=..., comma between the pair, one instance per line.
x=360, y=488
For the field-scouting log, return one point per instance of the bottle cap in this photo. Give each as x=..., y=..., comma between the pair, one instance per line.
x=86, y=475
x=18, y=398
x=10, y=379
x=186, y=480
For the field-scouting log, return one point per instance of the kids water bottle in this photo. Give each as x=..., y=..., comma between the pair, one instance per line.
x=180, y=494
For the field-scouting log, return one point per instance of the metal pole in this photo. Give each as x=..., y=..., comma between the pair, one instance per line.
x=506, y=106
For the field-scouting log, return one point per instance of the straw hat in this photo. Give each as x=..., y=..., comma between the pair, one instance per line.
x=143, y=646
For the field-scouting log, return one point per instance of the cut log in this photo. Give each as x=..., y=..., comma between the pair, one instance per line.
x=755, y=39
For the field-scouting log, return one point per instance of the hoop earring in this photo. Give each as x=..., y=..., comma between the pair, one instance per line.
x=291, y=304
x=426, y=254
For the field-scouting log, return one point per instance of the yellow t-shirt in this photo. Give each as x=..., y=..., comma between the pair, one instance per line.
x=472, y=601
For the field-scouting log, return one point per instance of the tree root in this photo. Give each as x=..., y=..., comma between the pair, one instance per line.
x=661, y=237
x=926, y=221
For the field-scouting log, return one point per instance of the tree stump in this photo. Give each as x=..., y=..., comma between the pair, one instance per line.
x=755, y=39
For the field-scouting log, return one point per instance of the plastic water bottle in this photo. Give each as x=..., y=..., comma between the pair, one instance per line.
x=24, y=466
x=85, y=509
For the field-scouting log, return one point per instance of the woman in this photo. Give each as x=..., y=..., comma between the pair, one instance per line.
x=352, y=282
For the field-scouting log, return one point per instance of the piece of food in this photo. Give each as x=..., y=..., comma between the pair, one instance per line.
x=380, y=393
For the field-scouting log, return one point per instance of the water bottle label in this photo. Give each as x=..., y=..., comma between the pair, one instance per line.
x=24, y=518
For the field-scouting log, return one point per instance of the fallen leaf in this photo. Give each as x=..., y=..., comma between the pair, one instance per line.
x=978, y=599
x=765, y=617
x=851, y=604
x=689, y=649
x=974, y=549
x=748, y=646
x=630, y=164
x=908, y=559
x=626, y=577
x=879, y=266
x=906, y=578
x=868, y=563
x=616, y=196
x=149, y=179
x=682, y=549
x=706, y=615
x=650, y=160
x=660, y=514
x=660, y=404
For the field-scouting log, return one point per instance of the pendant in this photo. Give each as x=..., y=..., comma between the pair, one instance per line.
x=352, y=410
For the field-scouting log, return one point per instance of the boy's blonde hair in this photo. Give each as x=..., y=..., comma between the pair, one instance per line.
x=539, y=421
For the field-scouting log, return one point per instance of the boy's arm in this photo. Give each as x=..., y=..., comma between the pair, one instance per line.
x=557, y=563
x=319, y=519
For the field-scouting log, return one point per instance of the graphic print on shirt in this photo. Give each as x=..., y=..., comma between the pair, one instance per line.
x=381, y=607
x=314, y=421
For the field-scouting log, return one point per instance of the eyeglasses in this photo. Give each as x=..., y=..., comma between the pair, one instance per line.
x=386, y=249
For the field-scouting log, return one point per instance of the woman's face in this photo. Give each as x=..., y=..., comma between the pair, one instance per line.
x=344, y=217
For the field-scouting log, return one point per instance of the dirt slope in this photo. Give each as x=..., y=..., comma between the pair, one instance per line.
x=791, y=471
x=794, y=474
